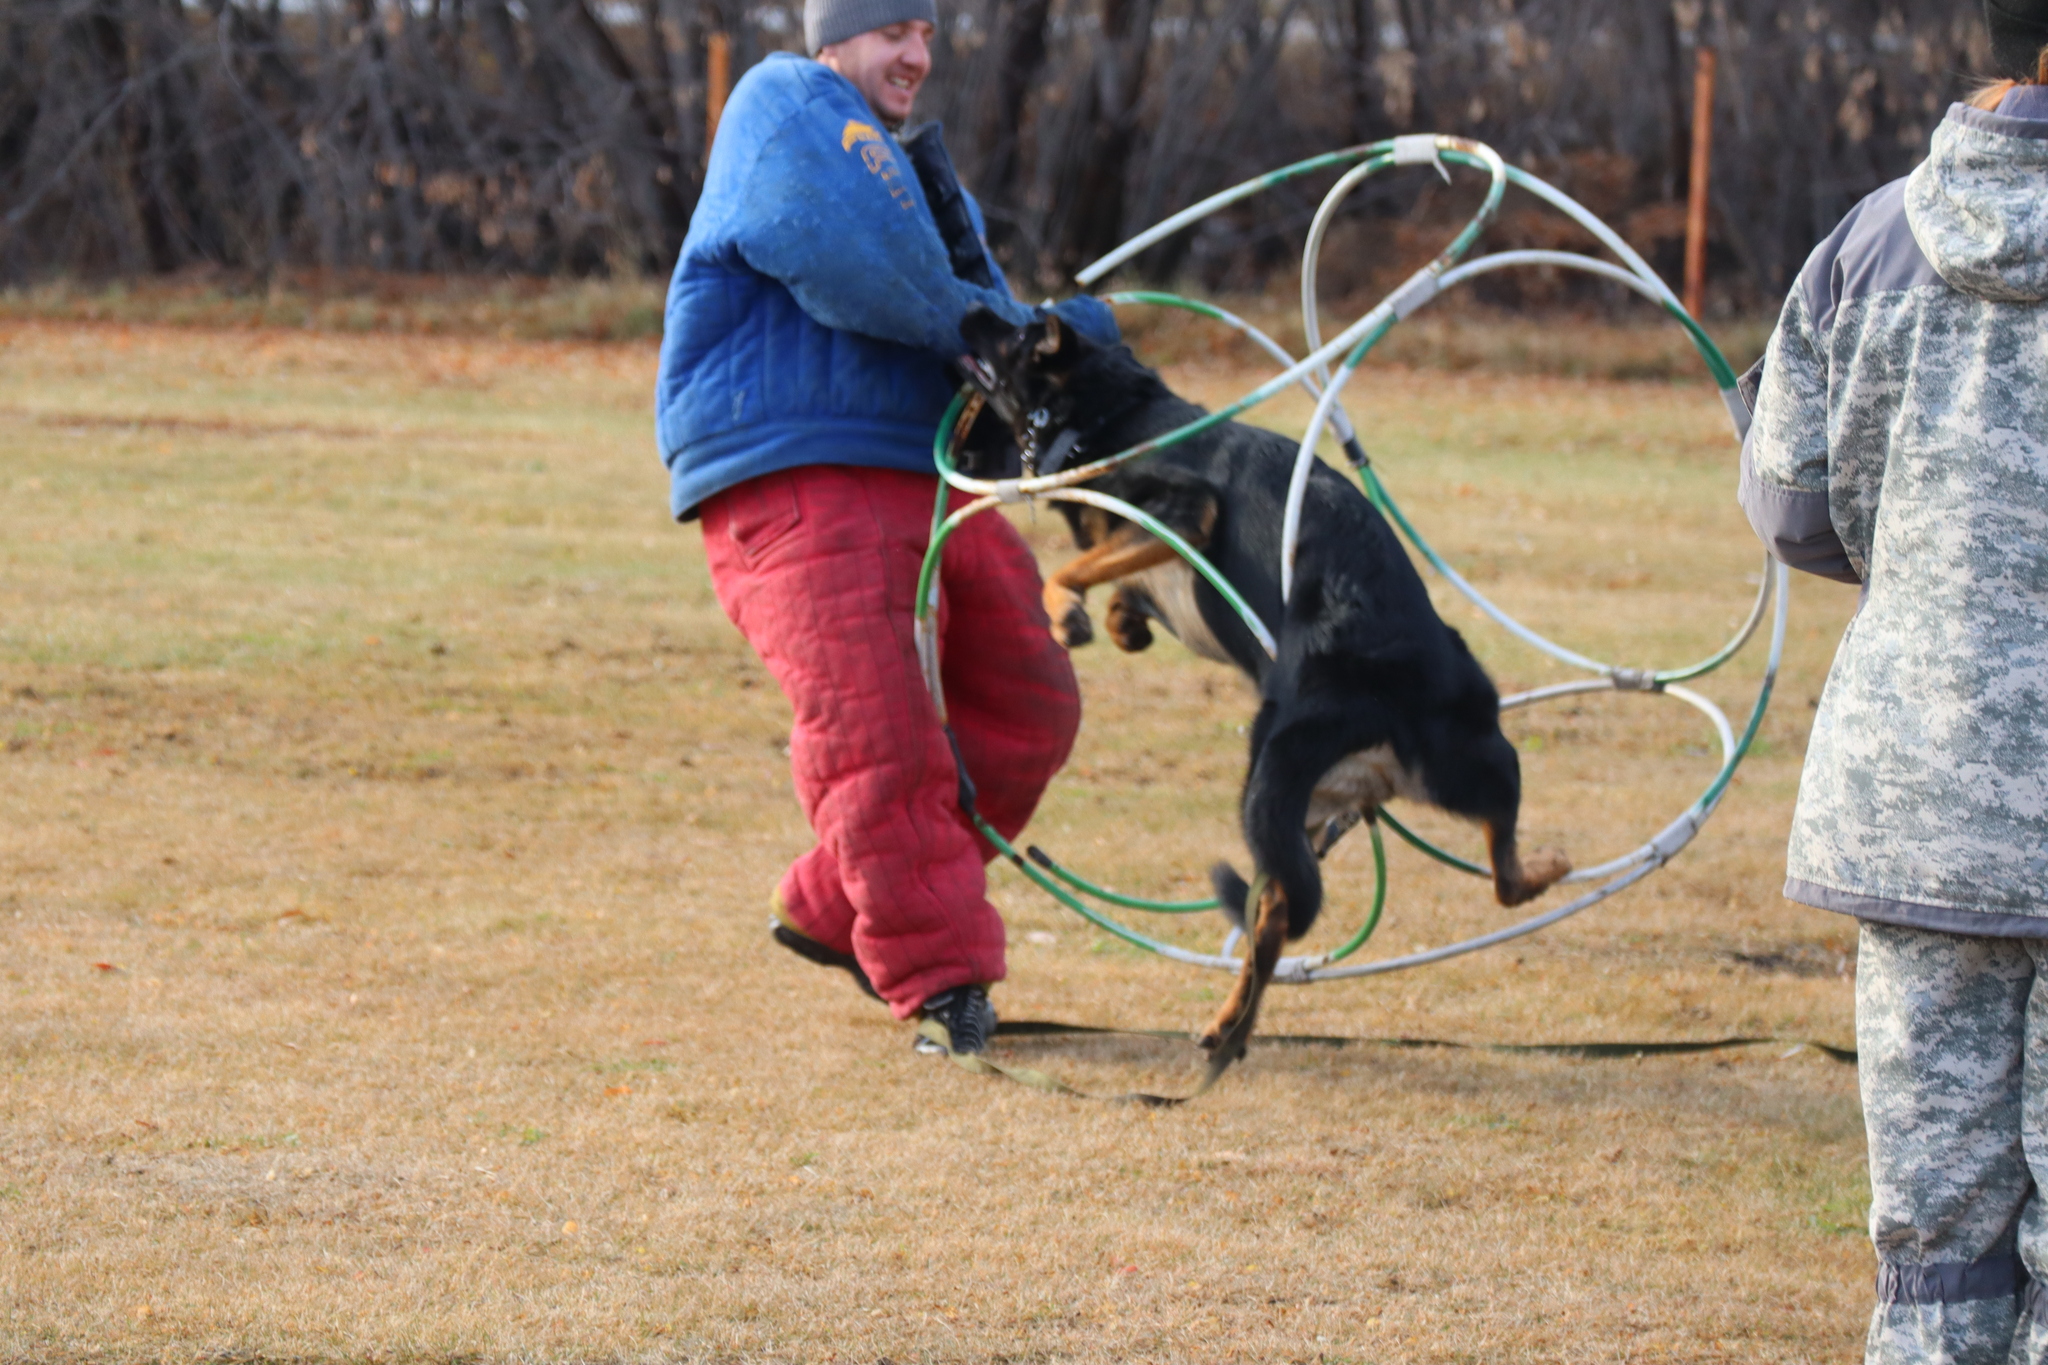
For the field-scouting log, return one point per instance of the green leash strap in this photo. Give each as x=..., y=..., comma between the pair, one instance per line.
x=932, y=1031
x=1047, y=1028
x=1219, y=1062
x=935, y=1032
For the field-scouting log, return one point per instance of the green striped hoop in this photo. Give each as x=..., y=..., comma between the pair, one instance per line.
x=1349, y=349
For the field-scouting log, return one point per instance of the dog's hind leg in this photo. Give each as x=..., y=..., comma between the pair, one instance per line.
x=1516, y=878
x=1233, y=1023
x=1292, y=749
x=1486, y=785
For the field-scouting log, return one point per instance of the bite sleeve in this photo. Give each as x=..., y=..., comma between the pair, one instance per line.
x=842, y=222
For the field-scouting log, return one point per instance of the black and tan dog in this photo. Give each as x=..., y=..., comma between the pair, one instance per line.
x=1371, y=695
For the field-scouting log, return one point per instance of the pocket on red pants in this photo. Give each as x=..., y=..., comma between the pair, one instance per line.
x=760, y=514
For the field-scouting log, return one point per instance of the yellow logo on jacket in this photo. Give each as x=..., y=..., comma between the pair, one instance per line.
x=876, y=156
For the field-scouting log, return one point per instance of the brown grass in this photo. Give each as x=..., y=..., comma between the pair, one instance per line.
x=1452, y=335
x=502, y=307
x=386, y=818
x=1461, y=335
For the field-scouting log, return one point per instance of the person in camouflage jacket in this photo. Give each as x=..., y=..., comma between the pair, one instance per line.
x=1900, y=441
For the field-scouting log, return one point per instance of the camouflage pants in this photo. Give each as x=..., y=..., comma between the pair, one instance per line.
x=1952, y=1042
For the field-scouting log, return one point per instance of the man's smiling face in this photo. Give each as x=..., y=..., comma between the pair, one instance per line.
x=887, y=65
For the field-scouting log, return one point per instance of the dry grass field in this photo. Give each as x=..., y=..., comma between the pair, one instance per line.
x=387, y=814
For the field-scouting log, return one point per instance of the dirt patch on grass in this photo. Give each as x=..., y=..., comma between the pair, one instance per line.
x=385, y=830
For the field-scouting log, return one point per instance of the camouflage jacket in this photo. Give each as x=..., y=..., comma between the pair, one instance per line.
x=1900, y=440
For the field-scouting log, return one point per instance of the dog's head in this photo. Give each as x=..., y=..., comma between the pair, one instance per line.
x=1025, y=374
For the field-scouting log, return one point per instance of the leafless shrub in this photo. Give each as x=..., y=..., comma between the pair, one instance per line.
x=568, y=136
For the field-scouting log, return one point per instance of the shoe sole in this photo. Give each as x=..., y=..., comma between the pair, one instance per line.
x=810, y=950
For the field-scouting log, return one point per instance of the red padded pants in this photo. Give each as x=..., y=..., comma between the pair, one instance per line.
x=818, y=568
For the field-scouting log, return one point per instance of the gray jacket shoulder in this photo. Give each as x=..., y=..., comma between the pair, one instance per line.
x=1871, y=251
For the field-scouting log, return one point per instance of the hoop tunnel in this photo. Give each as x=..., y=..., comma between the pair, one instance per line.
x=1313, y=374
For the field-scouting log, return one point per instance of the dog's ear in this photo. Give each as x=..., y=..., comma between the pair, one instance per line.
x=1056, y=345
x=1050, y=339
x=985, y=331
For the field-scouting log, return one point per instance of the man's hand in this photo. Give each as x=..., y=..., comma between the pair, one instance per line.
x=1089, y=316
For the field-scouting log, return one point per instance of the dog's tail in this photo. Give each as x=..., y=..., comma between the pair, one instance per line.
x=1295, y=870
x=1231, y=893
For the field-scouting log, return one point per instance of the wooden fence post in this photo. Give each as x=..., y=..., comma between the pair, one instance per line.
x=717, y=83
x=1696, y=204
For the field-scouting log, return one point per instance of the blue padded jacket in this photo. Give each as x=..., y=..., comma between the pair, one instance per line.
x=814, y=307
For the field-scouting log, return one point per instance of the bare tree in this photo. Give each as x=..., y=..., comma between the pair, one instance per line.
x=140, y=136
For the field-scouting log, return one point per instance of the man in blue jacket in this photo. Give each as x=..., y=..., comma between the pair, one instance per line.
x=804, y=367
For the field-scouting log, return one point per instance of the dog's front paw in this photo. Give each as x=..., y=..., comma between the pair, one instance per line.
x=1127, y=627
x=1072, y=627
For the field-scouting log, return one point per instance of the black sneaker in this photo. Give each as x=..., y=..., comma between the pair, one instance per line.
x=810, y=950
x=966, y=1015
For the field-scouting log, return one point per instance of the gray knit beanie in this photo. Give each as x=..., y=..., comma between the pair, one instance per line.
x=2019, y=30
x=834, y=21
